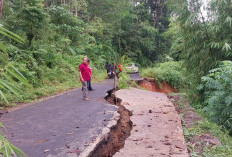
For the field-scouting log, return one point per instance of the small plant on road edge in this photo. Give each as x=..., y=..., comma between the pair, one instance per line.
x=7, y=149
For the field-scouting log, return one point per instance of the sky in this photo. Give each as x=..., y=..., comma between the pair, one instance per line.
x=204, y=12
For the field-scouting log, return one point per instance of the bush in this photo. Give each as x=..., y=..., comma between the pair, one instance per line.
x=218, y=94
x=123, y=80
x=170, y=72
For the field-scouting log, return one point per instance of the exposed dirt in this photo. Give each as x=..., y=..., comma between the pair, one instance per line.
x=191, y=119
x=154, y=86
x=118, y=134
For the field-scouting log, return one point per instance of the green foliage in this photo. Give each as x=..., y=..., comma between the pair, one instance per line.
x=201, y=40
x=218, y=94
x=7, y=149
x=62, y=20
x=59, y=33
x=170, y=72
x=10, y=77
x=124, y=78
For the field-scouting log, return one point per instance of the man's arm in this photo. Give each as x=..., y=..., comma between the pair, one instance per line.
x=81, y=78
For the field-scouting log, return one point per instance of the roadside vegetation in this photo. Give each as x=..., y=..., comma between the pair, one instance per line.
x=170, y=72
x=53, y=36
x=199, y=64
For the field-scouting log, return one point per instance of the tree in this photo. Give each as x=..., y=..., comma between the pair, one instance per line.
x=33, y=18
x=202, y=42
x=1, y=6
x=159, y=10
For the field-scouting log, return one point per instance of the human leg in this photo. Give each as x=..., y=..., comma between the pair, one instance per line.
x=84, y=87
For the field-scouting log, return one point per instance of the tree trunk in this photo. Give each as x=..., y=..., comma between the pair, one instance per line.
x=76, y=12
x=1, y=5
x=158, y=12
x=155, y=18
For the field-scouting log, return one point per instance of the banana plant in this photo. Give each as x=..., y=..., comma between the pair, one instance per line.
x=9, y=150
x=10, y=77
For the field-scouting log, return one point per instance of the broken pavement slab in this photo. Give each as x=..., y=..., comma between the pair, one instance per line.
x=157, y=129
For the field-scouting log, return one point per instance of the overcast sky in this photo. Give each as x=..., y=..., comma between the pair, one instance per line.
x=205, y=6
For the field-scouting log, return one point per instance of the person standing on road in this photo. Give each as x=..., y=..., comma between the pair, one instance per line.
x=109, y=69
x=84, y=77
x=89, y=86
x=119, y=70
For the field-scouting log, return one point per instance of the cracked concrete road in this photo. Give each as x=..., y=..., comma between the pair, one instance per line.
x=157, y=129
x=60, y=126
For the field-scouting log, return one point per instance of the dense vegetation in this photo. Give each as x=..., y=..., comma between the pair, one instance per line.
x=201, y=39
x=55, y=35
x=170, y=72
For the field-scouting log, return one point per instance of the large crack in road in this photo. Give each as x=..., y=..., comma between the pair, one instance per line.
x=118, y=133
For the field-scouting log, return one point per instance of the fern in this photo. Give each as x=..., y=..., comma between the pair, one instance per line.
x=218, y=94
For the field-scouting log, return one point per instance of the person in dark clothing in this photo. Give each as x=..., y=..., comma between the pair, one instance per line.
x=107, y=66
x=90, y=74
x=109, y=69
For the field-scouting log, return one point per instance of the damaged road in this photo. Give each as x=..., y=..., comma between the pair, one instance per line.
x=133, y=122
x=61, y=126
x=157, y=129
x=113, y=140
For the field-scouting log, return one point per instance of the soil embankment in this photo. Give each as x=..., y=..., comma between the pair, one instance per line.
x=154, y=86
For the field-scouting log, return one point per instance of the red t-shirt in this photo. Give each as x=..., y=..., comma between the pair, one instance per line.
x=84, y=71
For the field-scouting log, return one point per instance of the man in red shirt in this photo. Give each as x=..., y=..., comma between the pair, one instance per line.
x=84, y=77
